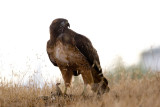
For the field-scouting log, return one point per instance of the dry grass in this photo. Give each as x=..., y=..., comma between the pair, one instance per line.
x=128, y=89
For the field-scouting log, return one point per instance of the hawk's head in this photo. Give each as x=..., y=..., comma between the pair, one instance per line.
x=59, y=25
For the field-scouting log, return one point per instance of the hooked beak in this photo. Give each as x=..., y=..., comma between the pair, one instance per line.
x=68, y=25
x=65, y=24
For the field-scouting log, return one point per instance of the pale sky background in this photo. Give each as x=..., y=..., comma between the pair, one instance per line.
x=116, y=28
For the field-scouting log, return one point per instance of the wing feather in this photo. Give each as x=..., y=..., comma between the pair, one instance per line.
x=86, y=48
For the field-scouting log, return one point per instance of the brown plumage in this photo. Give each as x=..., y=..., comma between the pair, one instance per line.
x=74, y=54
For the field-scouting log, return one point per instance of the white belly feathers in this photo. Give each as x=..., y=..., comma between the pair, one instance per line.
x=61, y=54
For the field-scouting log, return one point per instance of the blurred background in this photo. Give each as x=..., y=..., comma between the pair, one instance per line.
x=120, y=30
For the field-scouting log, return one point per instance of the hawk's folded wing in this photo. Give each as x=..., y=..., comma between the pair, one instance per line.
x=85, y=47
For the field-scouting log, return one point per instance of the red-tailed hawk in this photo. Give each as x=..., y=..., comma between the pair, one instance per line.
x=74, y=54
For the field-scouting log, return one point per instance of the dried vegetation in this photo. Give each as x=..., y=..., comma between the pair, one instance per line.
x=129, y=87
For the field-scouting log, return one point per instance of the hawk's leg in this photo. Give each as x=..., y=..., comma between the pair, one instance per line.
x=84, y=89
x=87, y=78
x=67, y=76
x=66, y=86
